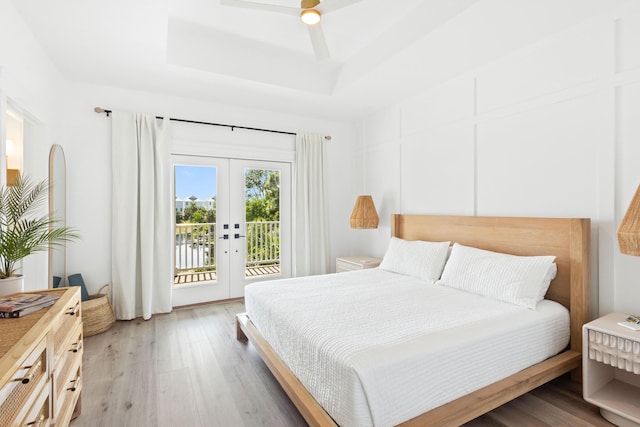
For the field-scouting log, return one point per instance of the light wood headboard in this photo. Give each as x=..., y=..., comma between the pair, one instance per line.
x=566, y=238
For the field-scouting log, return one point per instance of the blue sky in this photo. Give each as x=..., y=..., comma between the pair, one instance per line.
x=199, y=181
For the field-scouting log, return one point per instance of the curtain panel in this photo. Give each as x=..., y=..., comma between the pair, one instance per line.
x=311, y=242
x=141, y=216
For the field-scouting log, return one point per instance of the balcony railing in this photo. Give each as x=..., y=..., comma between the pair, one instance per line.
x=196, y=243
x=263, y=243
x=195, y=247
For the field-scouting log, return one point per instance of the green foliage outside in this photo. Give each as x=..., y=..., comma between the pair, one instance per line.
x=262, y=192
x=195, y=215
x=262, y=204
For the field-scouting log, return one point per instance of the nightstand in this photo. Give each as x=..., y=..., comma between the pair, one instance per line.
x=611, y=369
x=350, y=263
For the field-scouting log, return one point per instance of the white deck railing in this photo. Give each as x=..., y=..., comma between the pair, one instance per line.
x=263, y=243
x=196, y=243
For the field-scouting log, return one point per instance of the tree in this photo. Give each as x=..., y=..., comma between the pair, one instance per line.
x=210, y=215
x=262, y=191
x=196, y=214
x=255, y=180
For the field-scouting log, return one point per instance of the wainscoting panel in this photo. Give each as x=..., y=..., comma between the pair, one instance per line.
x=627, y=181
x=437, y=170
x=541, y=162
x=448, y=103
x=382, y=128
x=628, y=46
x=573, y=58
x=382, y=168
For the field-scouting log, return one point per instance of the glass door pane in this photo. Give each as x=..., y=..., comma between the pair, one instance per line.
x=262, y=219
x=261, y=214
x=201, y=255
x=232, y=226
x=195, y=225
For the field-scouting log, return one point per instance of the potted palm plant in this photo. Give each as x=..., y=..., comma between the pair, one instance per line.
x=23, y=230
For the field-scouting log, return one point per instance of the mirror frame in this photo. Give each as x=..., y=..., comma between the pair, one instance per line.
x=57, y=152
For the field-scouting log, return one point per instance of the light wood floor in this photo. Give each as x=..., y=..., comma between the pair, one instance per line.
x=187, y=369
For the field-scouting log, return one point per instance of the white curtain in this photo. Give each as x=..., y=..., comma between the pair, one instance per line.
x=312, y=243
x=141, y=216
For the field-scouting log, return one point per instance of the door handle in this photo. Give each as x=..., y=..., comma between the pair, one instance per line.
x=237, y=236
x=224, y=236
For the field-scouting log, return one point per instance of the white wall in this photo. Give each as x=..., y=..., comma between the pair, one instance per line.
x=552, y=129
x=62, y=112
x=87, y=149
x=31, y=85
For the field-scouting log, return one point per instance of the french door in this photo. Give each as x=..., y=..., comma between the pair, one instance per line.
x=232, y=226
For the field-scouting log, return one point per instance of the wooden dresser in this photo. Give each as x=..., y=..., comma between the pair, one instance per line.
x=41, y=363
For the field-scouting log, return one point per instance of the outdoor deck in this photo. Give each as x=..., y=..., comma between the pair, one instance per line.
x=191, y=278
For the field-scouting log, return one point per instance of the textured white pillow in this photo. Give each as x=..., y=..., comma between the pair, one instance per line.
x=521, y=280
x=422, y=260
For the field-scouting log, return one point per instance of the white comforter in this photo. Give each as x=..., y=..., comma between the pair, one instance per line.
x=377, y=348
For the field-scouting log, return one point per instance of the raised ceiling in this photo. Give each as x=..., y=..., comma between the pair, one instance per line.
x=381, y=51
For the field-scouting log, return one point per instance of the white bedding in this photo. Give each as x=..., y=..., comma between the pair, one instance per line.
x=377, y=348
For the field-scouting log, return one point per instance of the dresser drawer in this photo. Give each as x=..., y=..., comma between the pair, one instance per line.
x=67, y=403
x=18, y=394
x=40, y=413
x=67, y=377
x=69, y=320
x=612, y=350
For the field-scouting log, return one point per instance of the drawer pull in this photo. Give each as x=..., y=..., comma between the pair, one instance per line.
x=32, y=373
x=73, y=387
x=38, y=422
x=75, y=347
x=72, y=311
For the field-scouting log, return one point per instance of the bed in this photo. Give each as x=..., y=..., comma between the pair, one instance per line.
x=566, y=239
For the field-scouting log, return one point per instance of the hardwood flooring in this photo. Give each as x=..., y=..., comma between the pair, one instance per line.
x=186, y=368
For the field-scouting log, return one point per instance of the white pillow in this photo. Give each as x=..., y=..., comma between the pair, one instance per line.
x=521, y=280
x=422, y=260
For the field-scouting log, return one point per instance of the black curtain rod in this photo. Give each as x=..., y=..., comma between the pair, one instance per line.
x=108, y=112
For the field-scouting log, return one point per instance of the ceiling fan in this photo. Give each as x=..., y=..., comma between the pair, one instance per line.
x=309, y=12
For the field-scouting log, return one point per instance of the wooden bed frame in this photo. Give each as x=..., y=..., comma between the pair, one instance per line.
x=566, y=238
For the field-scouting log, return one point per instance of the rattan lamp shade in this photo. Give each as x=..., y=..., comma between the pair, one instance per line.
x=629, y=230
x=364, y=213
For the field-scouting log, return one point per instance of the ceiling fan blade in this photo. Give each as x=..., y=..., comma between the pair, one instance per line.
x=319, y=43
x=327, y=6
x=261, y=6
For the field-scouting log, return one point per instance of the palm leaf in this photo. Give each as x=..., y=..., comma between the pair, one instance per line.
x=22, y=232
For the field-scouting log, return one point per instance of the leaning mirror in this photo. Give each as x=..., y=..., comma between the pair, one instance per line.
x=57, y=212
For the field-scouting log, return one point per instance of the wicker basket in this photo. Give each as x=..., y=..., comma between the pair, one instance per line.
x=97, y=313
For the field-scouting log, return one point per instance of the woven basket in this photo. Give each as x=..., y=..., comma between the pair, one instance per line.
x=97, y=313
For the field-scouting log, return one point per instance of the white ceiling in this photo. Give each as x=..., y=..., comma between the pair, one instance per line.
x=381, y=50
